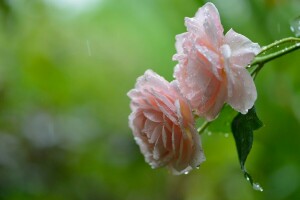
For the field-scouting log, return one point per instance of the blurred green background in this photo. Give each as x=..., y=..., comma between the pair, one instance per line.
x=65, y=69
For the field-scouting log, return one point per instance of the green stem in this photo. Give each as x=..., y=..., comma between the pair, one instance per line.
x=203, y=127
x=264, y=59
x=259, y=61
x=279, y=42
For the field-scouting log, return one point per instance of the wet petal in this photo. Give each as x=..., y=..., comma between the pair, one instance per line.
x=209, y=27
x=243, y=50
x=244, y=92
x=215, y=104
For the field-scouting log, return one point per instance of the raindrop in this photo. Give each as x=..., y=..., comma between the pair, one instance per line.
x=226, y=134
x=292, y=29
x=295, y=26
x=257, y=187
x=209, y=133
x=186, y=173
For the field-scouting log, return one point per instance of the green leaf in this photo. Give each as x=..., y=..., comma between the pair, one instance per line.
x=242, y=128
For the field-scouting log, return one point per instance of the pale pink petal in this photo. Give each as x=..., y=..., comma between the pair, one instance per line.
x=136, y=121
x=208, y=55
x=243, y=90
x=176, y=138
x=211, y=97
x=198, y=155
x=153, y=115
x=207, y=26
x=216, y=107
x=159, y=150
x=193, y=79
x=155, y=134
x=186, y=153
x=149, y=127
x=243, y=50
x=181, y=43
x=151, y=80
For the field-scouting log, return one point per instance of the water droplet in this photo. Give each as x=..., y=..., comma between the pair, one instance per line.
x=292, y=29
x=197, y=167
x=257, y=187
x=295, y=26
x=226, y=134
x=186, y=173
x=247, y=178
x=209, y=133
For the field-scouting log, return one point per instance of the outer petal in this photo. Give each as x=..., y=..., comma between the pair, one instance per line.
x=243, y=50
x=182, y=44
x=194, y=77
x=216, y=103
x=151, y=80
x=243, y=90
x=207, y=26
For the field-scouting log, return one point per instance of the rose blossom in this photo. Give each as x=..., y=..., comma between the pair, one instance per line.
x=211, y=69
x=163, y=124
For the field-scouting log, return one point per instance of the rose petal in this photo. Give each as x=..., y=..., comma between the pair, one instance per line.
x=198, y=156
x=215, y=109
x=243, y=50
x=243, y=90
x=207, y=25
x=153, y=115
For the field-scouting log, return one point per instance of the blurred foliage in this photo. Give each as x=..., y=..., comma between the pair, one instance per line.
x=64, y=74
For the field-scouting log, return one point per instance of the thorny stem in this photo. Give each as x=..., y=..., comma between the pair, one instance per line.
x=260, y=60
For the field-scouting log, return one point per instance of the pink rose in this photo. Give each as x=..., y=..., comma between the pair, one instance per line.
x=163, y=124
x=212, y=67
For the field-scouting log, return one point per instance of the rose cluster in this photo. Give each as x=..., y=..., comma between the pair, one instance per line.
x=211, y=71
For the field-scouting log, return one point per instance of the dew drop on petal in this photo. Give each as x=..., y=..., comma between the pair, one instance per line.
x=186, y=173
